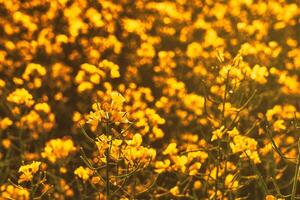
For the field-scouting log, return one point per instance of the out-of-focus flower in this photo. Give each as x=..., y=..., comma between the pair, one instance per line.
x=57, y=149
x=14, y=192
x=5, y=123
x=171, y=149
x=21, y=96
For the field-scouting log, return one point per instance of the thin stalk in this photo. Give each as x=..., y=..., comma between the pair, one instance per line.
x=86, y=135
x=294, y=190
x=217, y=174
x=277, y=189
x=107, y=152
x=261, y=179
x=277, y=150
x=225, y=96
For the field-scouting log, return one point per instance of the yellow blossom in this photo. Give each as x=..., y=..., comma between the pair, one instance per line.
x=21, y=96
x=259, y=74
x=42, y=107
x=194, y=169
x=83, y=173
x=231, y=183
x=279, y=125
x=136, y=140
x=171, y=149
x=117, y=100
x=14, y=192
x=56, y=149
x=5, y=123
x=233, y=132
x=174, y=190
x=217, y=134
x=27, y=171
x=197, y=185
x=161, y=166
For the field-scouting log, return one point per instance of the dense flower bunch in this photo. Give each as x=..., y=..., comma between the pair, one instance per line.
x=118, y=150
x=135, y=99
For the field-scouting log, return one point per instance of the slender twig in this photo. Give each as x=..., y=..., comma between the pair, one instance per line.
x=240, y=110
x=225, y=95
x=86, y=135
x=107, y=162
x=277, y=189
x=127, y=174
x=264, y=185
x=148, y=188
x=277, y=150
x=296, y=175
x=217, y=173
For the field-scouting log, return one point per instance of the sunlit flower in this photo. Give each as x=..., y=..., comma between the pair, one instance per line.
x=217, y=134
x=27, y=171
x=83, y=173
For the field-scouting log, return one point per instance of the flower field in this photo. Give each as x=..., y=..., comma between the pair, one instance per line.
x=148, y=99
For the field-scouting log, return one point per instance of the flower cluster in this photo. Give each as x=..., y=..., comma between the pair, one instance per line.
x=57, y=149
x=169, y=99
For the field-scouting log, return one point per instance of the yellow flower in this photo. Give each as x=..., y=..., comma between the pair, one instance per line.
x=194, y=50
x=6, y=143
x=28, y=171
x=21, y=96
x=14, y=192
x=171, y=149
x=136, y=152
x=102, y=142
x=83, y=173
x=44, y=107
x=95, y=117
x=245, y=145
x=112, y=112
x=63, y=170
x=231, y=183
x=217, y=134
x=279, y=125
x=270, y=197
x=85, y=86
x=91, y=69
x=174, y=190
x=158, y=133
x=161, y=166
x=136, y=140
x=95, y=179
x=194, y=103
x=197, y=185
x=117, y=100
x=5, y=123
x=233, y=132
x=180, y=163
x=31, y=68
x=259, y=74
x=194, y=168
x=114, y=69
x=2, y=83
x=58, y=149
